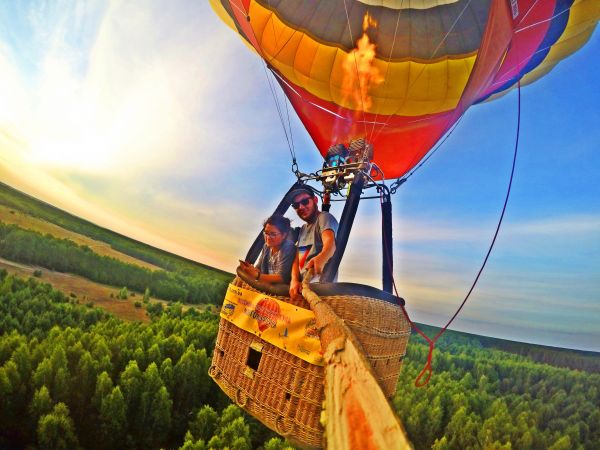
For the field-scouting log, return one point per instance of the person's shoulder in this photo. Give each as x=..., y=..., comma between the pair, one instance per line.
x=326, y=217
x=326, y=221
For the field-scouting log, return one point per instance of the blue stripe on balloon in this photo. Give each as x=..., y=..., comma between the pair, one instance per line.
x=555, y=31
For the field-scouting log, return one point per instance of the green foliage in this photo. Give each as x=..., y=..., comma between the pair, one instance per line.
x=278, y=444
x=230, y=431
x=56, y=430
x=123, y=293
x=41, y=404
x=33, y=308
x=125, y=385
x=62, y=255
x=486, y=398
x=154, y=309
x=37, y=273
x=74, y=377
x=113, y=419
x=205, y=424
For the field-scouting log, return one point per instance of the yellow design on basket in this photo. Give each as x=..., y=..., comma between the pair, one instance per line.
x=279, y=323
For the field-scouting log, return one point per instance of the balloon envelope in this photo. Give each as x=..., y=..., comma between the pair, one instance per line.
x=400, y=73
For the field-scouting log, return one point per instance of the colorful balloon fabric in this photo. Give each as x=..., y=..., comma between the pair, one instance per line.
x=400, y=73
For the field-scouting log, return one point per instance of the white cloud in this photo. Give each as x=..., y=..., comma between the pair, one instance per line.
x=143, y=96
x=558, y=226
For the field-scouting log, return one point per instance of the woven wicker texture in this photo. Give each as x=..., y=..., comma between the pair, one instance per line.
x=285, y=392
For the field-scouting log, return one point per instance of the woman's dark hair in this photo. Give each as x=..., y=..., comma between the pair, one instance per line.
x=280, y=222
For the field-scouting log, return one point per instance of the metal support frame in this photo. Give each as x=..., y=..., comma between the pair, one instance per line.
x=387, y=255
x=344, y=228
x=336, y=179
x=258, y=243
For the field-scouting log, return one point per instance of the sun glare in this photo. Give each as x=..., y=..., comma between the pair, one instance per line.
x=78, y=152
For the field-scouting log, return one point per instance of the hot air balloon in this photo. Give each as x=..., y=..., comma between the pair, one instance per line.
x=376, y=83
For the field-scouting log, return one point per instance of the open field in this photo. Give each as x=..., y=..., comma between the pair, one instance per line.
x=45, y=213
x=85, y=290
x=89, y=291
x=15, y=217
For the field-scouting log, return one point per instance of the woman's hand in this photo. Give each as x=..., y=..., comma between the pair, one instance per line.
x=249, y=269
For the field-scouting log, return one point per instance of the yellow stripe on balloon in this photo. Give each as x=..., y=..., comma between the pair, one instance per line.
x=408, y=4
x=411, y=87
x=217, y=7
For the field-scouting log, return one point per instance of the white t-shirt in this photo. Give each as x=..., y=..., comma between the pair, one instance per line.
x=310, y=241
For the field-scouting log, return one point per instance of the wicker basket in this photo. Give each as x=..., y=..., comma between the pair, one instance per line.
x=285, y=392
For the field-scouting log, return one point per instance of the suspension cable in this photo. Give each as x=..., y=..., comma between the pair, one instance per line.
x=427, y=370
x=288, y=137
x=266, y=65
x=293, y=150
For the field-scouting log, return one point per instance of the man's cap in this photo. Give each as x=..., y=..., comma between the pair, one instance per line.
x=296, y=192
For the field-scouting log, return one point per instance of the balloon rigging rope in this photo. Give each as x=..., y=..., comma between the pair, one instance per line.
x=427, y=369
x=436, y=148
x=285, y=100
x=292, y=149
x=288, y=138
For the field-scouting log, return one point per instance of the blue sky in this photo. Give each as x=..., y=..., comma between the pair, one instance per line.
x=158, y=122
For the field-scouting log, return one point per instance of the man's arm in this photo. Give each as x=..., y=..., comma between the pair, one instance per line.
x=319, y=261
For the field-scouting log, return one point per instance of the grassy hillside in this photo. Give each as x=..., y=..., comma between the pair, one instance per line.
x=555, y=356
x=18, y=201
x=23, y=220
x=93, y=264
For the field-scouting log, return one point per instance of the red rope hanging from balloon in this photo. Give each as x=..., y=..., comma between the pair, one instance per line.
x=427, y=370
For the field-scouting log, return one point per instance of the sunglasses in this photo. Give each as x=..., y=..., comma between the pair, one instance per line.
x=271, y=234
x=302, y=202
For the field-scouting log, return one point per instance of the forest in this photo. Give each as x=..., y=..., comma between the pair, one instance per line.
x=73, y=376
x=62, y=255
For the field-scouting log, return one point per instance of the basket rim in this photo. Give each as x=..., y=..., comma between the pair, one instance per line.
x=326, y=290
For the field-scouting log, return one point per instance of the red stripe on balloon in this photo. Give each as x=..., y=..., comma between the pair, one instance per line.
x=524, y=43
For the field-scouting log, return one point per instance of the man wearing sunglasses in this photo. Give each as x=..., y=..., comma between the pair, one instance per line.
x=316, y=240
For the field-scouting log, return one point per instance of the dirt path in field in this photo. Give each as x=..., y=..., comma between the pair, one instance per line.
x=15, y=217
x=90, y=291
x=85, y=290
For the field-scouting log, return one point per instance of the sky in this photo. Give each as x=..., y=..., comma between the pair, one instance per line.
x=156, y=121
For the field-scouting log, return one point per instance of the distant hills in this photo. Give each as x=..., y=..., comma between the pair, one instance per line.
x=35, y=208
x=93, y=263
x=555, y=356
